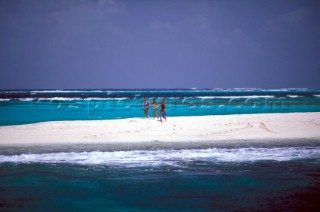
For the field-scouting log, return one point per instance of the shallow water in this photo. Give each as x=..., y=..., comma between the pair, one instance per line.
x=22, y=107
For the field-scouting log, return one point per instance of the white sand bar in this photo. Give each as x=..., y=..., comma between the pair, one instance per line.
x=176, y=129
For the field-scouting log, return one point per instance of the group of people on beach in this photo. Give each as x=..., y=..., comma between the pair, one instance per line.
x=162, y=113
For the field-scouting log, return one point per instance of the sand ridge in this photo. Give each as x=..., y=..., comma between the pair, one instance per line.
x=176, y=129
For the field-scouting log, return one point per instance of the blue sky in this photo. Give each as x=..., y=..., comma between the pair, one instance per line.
x=66, y=44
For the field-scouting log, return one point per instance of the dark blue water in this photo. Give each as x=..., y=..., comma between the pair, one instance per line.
x=270, y=176
x=22, y=107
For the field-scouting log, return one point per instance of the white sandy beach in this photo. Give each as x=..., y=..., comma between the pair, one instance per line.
x=176, y=129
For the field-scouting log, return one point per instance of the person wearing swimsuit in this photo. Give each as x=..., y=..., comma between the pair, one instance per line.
x=146, y=107
x=163, y=110
x=154, y=104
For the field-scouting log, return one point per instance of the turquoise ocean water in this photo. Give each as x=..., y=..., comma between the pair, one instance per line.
x=271, y=175
x=31, y=106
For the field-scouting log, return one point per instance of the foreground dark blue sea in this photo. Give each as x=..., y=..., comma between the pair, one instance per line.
x=266, y=176
x=260, y=175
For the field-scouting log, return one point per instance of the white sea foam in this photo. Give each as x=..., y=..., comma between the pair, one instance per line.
x=235, y=97
x=60, y=99
x=8, y=92
x=4, y=100
x=78, y=98
x=207, y=97
x=102, y=91
x=285, y=89
x=115, y=99
x=55, y=91
x=316, y=95
x=65, y=91
x=140, y=158
x=293, y=96
x=26, y=99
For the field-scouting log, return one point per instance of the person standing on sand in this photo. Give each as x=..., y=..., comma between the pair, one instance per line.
x=163, y=110
x=154, y=104
x=146, y=107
